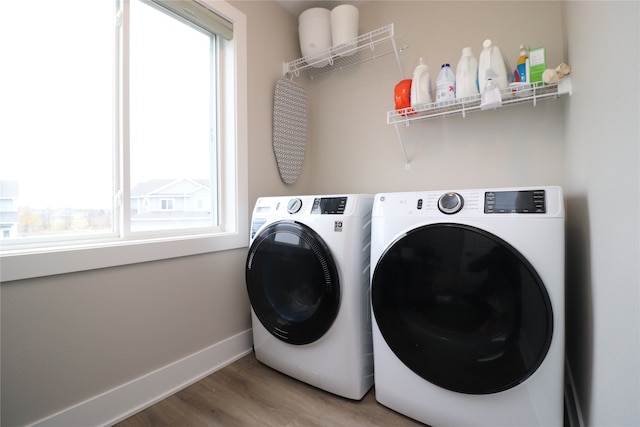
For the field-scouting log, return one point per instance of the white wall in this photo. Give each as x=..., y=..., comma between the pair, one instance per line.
x=603, y=193
x=273, y=39
x=353, y=149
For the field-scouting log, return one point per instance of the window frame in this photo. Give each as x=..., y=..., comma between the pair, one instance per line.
x=68, y=258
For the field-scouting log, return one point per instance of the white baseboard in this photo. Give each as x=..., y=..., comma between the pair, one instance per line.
x=127, y=399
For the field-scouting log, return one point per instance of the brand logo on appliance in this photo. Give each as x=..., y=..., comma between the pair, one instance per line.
x=337, y=226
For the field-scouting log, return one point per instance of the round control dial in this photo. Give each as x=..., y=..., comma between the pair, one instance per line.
x=294, y=205
x=450, y=203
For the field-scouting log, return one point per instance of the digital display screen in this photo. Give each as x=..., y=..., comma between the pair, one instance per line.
x=531, y=201
x=329, y=205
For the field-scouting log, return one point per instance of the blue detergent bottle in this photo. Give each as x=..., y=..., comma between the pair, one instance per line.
x=520, y=73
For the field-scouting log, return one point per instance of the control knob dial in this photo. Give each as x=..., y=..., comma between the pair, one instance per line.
x=294, y=205
x=450, y=203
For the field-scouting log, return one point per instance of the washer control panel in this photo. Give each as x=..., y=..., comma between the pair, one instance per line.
x=529, y=201
x=451, y=204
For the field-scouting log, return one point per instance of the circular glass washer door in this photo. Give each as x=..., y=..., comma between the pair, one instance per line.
x=462, y=308
x=293, y=283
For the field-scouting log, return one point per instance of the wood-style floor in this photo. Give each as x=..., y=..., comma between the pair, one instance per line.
x=248, y=393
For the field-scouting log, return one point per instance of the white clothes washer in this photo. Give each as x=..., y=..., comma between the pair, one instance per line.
x=467, y=296
x=307, y=276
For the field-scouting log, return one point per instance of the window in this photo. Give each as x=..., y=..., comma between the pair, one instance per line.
x=125, y=132
x=166, y=204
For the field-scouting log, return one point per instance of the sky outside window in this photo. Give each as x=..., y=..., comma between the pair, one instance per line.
x=170, y=97
x=58, y=137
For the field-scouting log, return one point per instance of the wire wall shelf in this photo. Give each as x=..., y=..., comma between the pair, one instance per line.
x=366, y=47
x=525, y=94
x=535, y=92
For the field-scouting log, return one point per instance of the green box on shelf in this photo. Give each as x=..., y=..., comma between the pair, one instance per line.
x=537, y=63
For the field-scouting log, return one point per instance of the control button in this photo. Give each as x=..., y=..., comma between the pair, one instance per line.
x=294, y=205
x=450, y=203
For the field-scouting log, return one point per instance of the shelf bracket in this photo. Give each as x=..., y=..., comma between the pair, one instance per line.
x=397, y=52
x=407, y=165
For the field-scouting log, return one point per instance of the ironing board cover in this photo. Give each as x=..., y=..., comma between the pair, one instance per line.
x=290, y=128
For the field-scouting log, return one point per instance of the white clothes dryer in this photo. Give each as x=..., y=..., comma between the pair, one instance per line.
x=467, y=296
x=307, y=276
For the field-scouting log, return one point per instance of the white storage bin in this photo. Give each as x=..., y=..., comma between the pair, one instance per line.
x=314, y=30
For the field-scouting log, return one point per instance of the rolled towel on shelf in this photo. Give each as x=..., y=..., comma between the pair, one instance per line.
x=555, y=75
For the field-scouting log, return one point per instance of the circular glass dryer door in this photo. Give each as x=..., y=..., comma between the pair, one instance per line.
x=462, y=308
x=292, y=281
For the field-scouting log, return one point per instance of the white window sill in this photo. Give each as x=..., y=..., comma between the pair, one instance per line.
x=25, y=265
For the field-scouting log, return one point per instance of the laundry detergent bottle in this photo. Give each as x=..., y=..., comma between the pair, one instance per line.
x=445, y=86
x=491, y=59
x=467, y=75
x=421, y=87
x=520, y=73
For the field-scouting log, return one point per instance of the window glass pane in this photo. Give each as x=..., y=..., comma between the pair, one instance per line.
x=56, y=139
x=171, y=122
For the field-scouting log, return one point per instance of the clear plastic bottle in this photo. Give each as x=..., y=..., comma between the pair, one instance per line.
x=421, y=86
x=467, y=75
x=445, y=86
x=491, y=97
x=491, y=59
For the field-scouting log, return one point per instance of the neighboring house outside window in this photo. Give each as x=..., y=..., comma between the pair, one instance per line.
x=170, y=203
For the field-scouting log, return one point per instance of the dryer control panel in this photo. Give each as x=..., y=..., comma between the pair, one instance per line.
x=529, y=201
x=329, y=205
